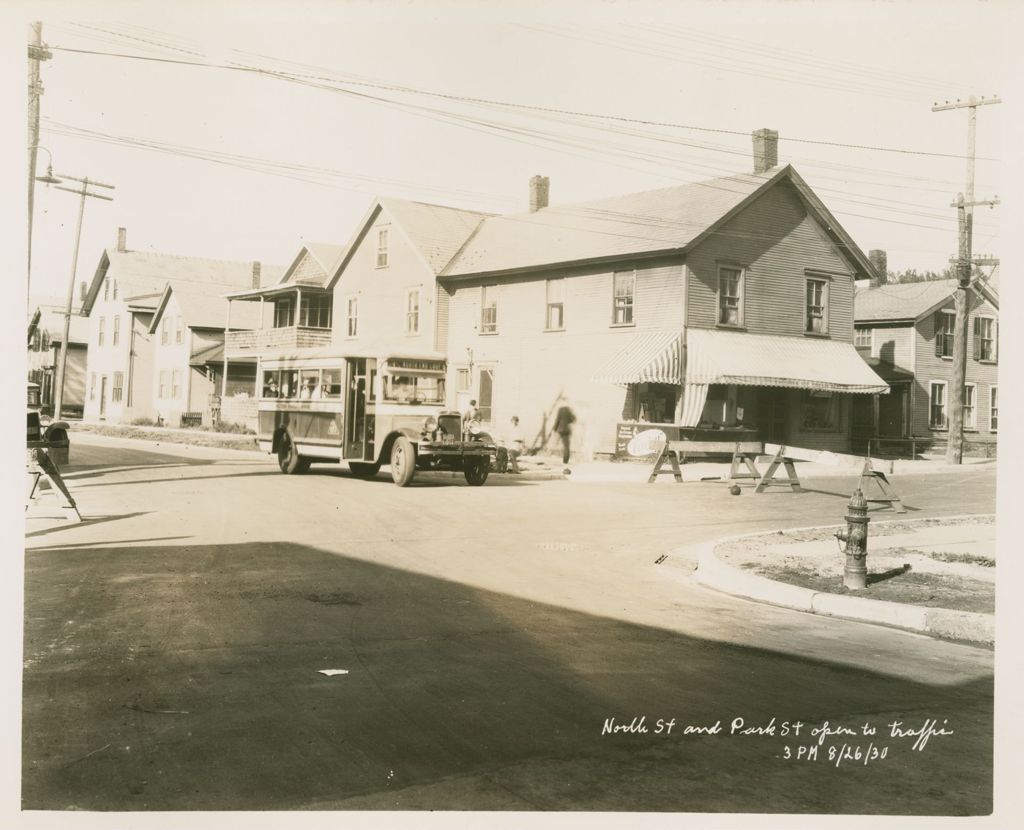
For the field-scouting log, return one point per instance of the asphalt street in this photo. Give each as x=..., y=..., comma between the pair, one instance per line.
x=174, y=644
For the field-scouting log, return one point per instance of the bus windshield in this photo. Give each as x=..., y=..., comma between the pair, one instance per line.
x=413, y=389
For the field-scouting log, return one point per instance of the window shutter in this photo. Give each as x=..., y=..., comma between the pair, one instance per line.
x=995, y=341
x=937, y=325
x=976, y=338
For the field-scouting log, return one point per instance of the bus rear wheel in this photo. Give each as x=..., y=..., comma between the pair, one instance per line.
x=403, y=461
x=288, y=458
x=476, y=470
x=363, y=470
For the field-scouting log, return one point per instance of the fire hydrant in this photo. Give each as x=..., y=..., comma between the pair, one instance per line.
x=855, y=542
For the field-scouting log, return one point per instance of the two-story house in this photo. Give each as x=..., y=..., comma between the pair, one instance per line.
x=721, y=304
x=908, y=328
x=187, y=335
x=122, y=298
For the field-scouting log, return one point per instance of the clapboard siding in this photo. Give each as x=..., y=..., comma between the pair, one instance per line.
x=534, y=367
x=894, y=345
x=382, y=295
x=930, y=368
x=776, y=242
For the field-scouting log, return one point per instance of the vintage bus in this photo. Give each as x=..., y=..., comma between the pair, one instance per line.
x=322, y=405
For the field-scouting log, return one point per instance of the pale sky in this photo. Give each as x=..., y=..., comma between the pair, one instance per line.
x=863, y=74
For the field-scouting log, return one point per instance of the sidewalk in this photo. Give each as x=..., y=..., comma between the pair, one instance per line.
x=636, y=472
x=714, y=572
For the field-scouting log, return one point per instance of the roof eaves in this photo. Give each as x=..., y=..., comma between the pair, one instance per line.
x=549, y=266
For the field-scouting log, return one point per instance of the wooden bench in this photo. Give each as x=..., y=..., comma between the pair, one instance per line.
x=676, y=453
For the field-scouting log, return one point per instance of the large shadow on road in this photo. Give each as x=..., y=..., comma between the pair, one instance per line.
x=188, y=677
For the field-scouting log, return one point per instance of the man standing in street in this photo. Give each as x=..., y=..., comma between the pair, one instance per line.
x=563, y=426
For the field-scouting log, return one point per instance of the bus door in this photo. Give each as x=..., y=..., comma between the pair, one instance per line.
x=355, y=407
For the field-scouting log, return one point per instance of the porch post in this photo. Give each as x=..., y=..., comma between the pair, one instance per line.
x=224, y=380
x=298, y=306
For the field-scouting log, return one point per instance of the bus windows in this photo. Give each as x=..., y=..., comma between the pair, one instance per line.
x=330, y=383
x=271, y=384
x=309, y=384
x=289, y=383
x=413, y=389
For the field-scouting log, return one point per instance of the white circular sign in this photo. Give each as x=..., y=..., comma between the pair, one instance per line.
x=648, y=442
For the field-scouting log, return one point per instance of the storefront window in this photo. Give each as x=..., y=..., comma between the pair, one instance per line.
x=821, y=411
x=656, y=402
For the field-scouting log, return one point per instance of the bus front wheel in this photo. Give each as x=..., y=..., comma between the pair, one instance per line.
x=288, y=458
x=476, y=471
x=403, y=461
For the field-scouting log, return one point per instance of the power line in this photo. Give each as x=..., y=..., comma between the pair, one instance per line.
x=505, y=104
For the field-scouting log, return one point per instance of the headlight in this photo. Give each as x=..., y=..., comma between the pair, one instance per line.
x=473, y=427
x=430, y=424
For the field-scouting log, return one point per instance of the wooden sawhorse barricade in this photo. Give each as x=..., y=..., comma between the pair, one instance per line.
x=41, y=466
x=785, y=456
x=675, y=453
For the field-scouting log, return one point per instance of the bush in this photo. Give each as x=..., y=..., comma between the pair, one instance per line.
x=235, y=429
x=143, y=422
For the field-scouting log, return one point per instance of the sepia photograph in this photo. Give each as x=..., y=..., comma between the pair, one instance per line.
x=490, y=413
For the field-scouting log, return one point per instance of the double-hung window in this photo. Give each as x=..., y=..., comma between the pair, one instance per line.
x=118, y=391
x=862, y=338
x=489, y=309
x=412, y=311
x=103, y=325
x=165, y=333
x=382, y=248
x=985, y=339
x=817, y=306
x=554, y=319
x=175, y=383
x=114, y=292
x=937, y=405
x=179, y=330
x=115, y=335
x=352, y=317
x=945, y=325
x=970, y=408
x=993, y=409
x=730, y=296
x=623, y=297
x=106, y=289
x=163, y=384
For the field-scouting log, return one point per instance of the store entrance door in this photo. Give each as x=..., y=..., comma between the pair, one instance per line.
x=771, y=414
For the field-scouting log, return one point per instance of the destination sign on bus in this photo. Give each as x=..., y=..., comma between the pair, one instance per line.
x=414, y=363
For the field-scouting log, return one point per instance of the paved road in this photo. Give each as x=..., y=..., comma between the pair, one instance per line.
x=174, y=641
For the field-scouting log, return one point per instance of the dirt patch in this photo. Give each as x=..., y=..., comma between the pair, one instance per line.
x=960, y=581
x=197, y=438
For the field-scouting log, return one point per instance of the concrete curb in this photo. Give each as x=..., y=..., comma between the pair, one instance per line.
x=943, y=622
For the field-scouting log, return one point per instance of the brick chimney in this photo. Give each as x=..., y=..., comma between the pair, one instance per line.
x=880, y=262
x=766, y=149
x=256, y=268
x=539, y=186
x=122, y=240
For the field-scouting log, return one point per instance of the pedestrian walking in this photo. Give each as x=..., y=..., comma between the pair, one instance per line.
x=563, y=426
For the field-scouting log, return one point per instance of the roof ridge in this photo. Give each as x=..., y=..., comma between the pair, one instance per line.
x=163, y=255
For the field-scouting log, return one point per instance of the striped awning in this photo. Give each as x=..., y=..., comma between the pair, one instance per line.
x=651, y=357
x=763, y=360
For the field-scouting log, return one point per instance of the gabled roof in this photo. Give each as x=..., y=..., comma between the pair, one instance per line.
x=325, y=255
x=144, y=272
x=908, y=301
x=205, y=310
x=435, y=232
x=667, y=220
x=50, y=318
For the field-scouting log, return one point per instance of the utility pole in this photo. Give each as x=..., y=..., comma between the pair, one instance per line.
x=62, y=361
x=37, y=53
x=965, y=222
